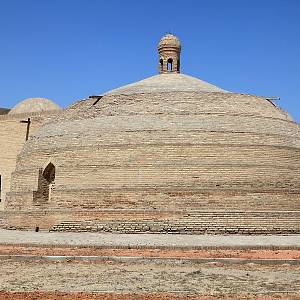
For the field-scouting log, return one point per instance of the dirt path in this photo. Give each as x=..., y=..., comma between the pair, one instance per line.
x=135, y=296
x=155, y=240
x=164, y=253
x=140, y=280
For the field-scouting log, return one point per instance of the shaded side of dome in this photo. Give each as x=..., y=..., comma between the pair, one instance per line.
x=31, y=105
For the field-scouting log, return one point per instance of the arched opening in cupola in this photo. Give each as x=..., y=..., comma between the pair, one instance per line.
x=161, y=65
x=170, y=64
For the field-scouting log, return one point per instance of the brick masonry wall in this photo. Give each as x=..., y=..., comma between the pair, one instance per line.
x=152, y=155
x=150, y=221
x=162, y=199
x=12, y=139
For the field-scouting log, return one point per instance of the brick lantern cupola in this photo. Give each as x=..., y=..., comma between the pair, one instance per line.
x=169, y=48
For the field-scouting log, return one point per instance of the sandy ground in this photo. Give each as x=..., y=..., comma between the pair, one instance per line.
x=135, y=296
x=149, y=277
x=163, y=253
x=136, y=240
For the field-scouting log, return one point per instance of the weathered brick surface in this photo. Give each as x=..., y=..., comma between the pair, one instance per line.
x=12, y=139
x=158, y=198
x=186, y=162
x=154, y=221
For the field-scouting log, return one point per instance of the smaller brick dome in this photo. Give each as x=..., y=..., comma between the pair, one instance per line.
x=34, y=105
x=169, y=40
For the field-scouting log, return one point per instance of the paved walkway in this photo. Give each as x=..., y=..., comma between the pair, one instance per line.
x=167, y=240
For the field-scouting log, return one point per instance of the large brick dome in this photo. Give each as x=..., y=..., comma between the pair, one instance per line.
x=167, y=154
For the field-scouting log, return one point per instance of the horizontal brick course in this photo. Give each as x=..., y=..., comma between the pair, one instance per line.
x=134, y=221
x=184, y=162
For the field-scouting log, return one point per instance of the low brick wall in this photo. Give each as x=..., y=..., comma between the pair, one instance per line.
x=156, y=221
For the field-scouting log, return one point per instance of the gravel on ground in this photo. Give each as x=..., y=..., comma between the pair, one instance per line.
x=159, y=240
x=162, y=253
x=135, y=296
x=149, y=277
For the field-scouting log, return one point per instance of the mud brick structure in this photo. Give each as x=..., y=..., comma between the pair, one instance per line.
x=170, y=153
x=17, y=125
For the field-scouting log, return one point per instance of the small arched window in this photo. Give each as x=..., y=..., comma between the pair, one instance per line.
x=178, y=65
x=161, y=63
x=170, y=64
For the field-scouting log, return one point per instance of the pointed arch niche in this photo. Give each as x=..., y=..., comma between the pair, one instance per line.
x=46, y=183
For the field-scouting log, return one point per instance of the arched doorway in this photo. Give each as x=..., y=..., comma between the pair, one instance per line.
x=45, y=183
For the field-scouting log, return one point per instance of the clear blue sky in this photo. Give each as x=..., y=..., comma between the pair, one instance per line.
x=66, y=50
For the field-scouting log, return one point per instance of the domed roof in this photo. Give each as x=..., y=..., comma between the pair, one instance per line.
x=34, y=105
x=167, y=82
x=170, y=141
x=169, y=40
x=168, y=144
